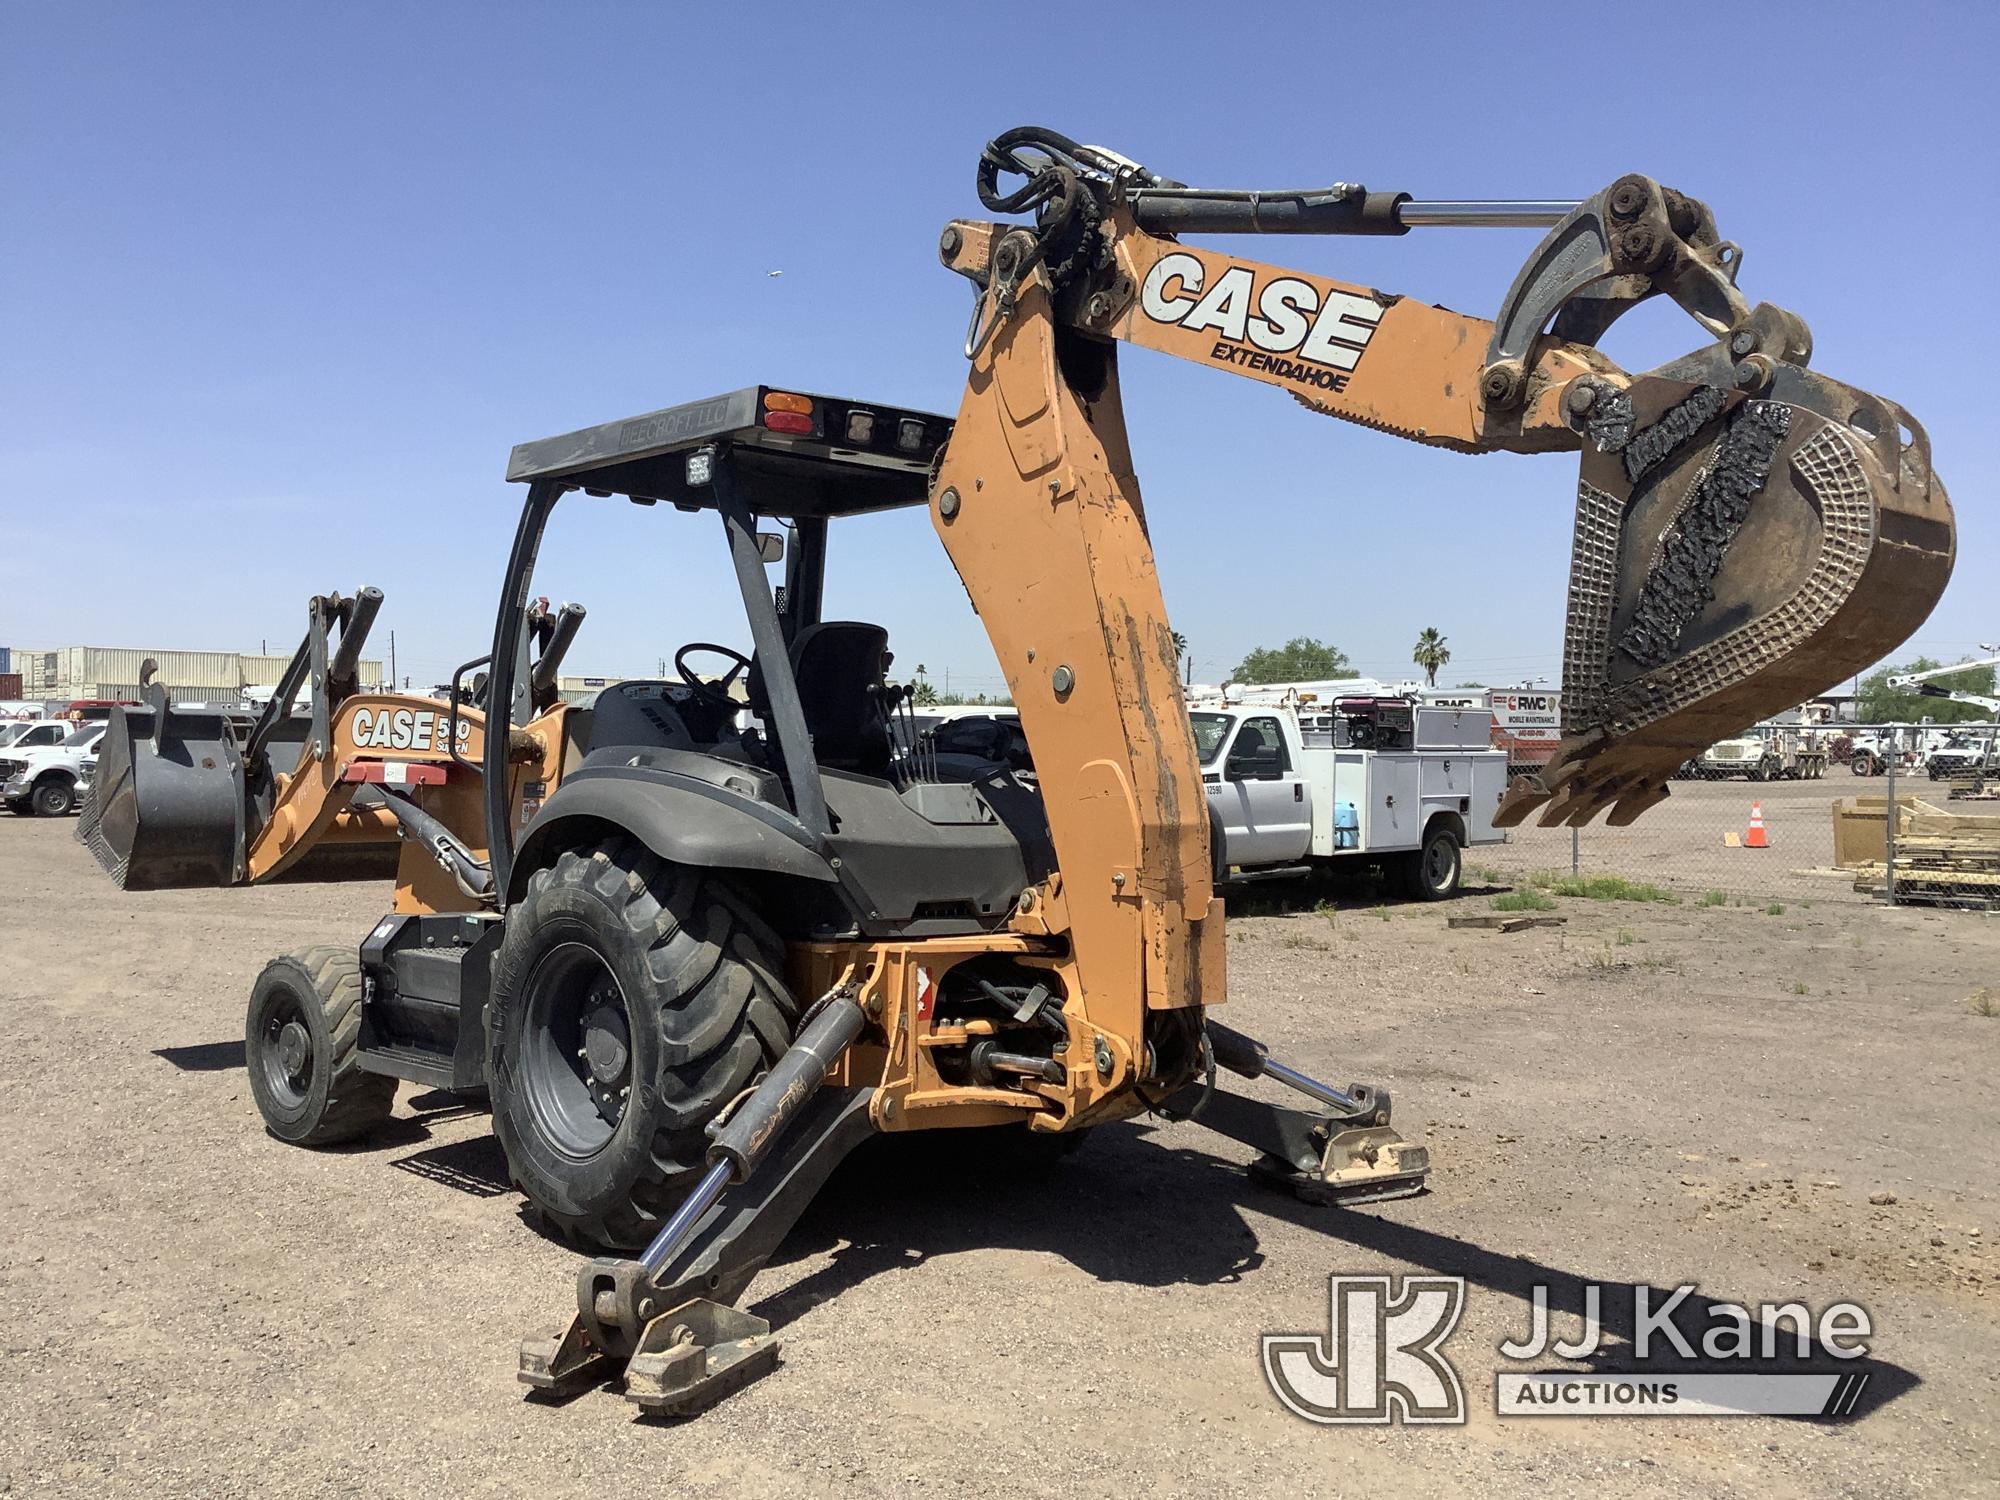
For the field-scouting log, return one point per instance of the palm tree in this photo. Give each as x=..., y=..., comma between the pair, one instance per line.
x=1180, y=649
x=1431, y=653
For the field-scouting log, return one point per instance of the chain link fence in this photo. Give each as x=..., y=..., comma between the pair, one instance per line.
x=1820, y=838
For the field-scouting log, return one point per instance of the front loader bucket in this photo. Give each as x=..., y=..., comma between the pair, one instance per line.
x=166, y=806
x=1735, y=555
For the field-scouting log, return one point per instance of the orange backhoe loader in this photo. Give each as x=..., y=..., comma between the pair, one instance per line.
x=697, y=939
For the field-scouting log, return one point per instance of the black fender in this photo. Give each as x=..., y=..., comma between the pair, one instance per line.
x=679, y=818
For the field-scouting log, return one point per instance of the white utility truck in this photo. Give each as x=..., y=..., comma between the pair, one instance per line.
x=1298, y=781
x=1766, y=752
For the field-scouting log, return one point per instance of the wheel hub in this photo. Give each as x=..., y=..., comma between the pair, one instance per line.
x=1439, y=860
x=576, y=1050
x=607, y=1040
x=294, y=1049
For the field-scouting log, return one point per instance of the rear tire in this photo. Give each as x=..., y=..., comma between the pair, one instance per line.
x=53, y=797
x=632, y=1000
x=1432, y=872
x=300, y=1039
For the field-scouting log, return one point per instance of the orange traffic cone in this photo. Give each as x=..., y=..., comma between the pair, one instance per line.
x=1756, y=837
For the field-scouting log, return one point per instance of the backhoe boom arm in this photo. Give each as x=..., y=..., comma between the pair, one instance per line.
x=1748, y=531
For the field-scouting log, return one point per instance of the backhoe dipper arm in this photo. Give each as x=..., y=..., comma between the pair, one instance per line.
x=1748, y=532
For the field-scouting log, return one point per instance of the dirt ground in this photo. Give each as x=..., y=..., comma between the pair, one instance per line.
x=1679, y=844
x=1647, y=1094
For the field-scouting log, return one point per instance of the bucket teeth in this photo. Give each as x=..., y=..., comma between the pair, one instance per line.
x=1734, y=558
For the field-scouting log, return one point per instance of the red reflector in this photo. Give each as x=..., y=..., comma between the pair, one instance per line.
x=788, y=421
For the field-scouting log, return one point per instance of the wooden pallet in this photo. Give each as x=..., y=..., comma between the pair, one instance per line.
x=1940, y=883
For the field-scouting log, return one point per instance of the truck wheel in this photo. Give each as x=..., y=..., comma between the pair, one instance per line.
x=631, y=1001
x=1432, y=872
x=1859, y=765
x=299, y=1041
x=53, y=796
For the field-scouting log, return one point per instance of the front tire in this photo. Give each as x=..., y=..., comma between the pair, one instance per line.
x=300, y=1040
x=632, y=1000
x=53, y=797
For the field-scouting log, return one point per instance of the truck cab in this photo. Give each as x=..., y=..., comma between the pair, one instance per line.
x=34, y=734
x=1256, y=787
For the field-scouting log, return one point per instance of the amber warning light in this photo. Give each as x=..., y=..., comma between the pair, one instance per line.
x=784, y=412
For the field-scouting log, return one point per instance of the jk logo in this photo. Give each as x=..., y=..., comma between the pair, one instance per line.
x=1378, y=1360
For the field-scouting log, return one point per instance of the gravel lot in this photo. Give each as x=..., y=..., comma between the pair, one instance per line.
x=1679, y=843
x=1649, y=1093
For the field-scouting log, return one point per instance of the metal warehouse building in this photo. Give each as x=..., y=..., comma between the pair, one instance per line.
x=190, y=676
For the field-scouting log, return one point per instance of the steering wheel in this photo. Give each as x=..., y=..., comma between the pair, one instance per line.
x=715, y=693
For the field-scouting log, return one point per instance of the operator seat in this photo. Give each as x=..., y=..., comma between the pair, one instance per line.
x=839, y=666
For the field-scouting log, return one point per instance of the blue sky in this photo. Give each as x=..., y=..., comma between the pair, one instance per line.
x=281, y=284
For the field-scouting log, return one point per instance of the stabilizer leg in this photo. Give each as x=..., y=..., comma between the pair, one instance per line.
x=662, y=1320
x=1345, y=1153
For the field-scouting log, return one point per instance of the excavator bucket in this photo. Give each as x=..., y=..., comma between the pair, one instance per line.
x=166, y=807
x=1736, y=553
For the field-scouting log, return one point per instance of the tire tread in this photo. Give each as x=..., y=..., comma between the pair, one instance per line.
x=356, y=1100
x=727, y=1017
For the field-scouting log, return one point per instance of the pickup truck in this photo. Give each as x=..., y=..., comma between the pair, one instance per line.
x=1406, y=789
x=34, y=734
x=1963, y=755
x=48, y=781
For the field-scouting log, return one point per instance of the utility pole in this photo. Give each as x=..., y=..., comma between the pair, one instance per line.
x=393, y=679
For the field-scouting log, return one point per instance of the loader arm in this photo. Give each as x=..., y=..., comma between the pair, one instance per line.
x=1748, y=532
